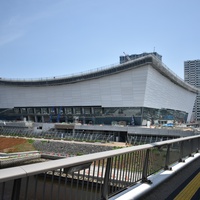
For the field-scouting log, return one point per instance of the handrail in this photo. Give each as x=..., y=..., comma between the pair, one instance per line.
x=28, y=170
x=98, y=175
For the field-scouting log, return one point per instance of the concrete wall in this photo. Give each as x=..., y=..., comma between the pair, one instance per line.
x=17, y=161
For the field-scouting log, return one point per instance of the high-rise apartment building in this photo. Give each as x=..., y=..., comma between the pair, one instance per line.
x=192, y=76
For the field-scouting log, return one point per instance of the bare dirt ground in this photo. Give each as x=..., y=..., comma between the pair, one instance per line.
x=8, y=145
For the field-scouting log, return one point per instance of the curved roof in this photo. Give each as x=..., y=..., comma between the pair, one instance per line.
x=150, y=59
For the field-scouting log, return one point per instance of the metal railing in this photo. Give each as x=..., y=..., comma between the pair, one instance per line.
x=58, y=135
x=94, y=176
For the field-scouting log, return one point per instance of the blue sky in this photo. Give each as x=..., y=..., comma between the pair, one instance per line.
x=46, y=38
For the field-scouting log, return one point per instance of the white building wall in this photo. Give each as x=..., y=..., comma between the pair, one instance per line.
x=162, y=93
x=140, y=87
x=123, y=89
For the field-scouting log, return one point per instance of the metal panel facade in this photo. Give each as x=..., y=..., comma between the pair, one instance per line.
x=122, y=89
x=139, y=87
x=162, y=93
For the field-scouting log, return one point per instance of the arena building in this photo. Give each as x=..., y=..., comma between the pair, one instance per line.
x=131, y=93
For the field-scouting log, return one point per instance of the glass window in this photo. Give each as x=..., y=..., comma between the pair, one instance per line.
x=23, y=110
x=111, y=111
x=77, y=111
x=132, y=112
x=87, y=111
x=68, y=111
x=44, y=110
x=17, y=110
x=52, y=111
x=98, y=111
x=38, y=111
x=60, y=111
x=30, y=110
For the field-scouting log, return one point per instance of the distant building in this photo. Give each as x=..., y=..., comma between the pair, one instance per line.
x=133, y=93
x=126, y=57
x=192, y=76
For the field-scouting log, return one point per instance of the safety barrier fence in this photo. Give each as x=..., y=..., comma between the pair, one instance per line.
x=94, y=176
x=82, y=136
x=78, y=136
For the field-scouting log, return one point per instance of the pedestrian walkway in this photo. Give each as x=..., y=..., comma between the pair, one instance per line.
x=190, y=189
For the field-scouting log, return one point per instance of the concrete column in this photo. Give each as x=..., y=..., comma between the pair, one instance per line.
x=42, y=118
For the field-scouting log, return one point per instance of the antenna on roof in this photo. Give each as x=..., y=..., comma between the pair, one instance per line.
x=127, y=56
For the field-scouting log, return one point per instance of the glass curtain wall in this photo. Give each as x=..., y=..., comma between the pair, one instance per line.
x=98, y=115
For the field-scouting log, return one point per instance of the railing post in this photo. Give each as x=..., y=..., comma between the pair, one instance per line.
x=104, y=193
x=198, y=145
x=181, y=152
x=191, y=148
x=145, y=168
x=167, y=158
x=16, y=189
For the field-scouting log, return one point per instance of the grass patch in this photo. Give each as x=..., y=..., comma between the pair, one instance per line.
x=117, y=147
x=31, y=141
x=20, y=148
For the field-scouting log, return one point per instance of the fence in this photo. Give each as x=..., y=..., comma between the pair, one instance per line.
x=50, y=134
x=94, y=176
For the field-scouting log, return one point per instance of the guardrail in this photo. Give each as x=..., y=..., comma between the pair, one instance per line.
x=57, y=135
x=94, y=176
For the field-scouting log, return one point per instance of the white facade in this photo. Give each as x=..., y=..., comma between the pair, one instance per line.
x=139, y=87
x=141, y=83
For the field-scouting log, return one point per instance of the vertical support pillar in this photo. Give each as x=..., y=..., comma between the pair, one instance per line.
x=105, y=187
x=42, y=118
x=92, y=111
x=82, y=110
